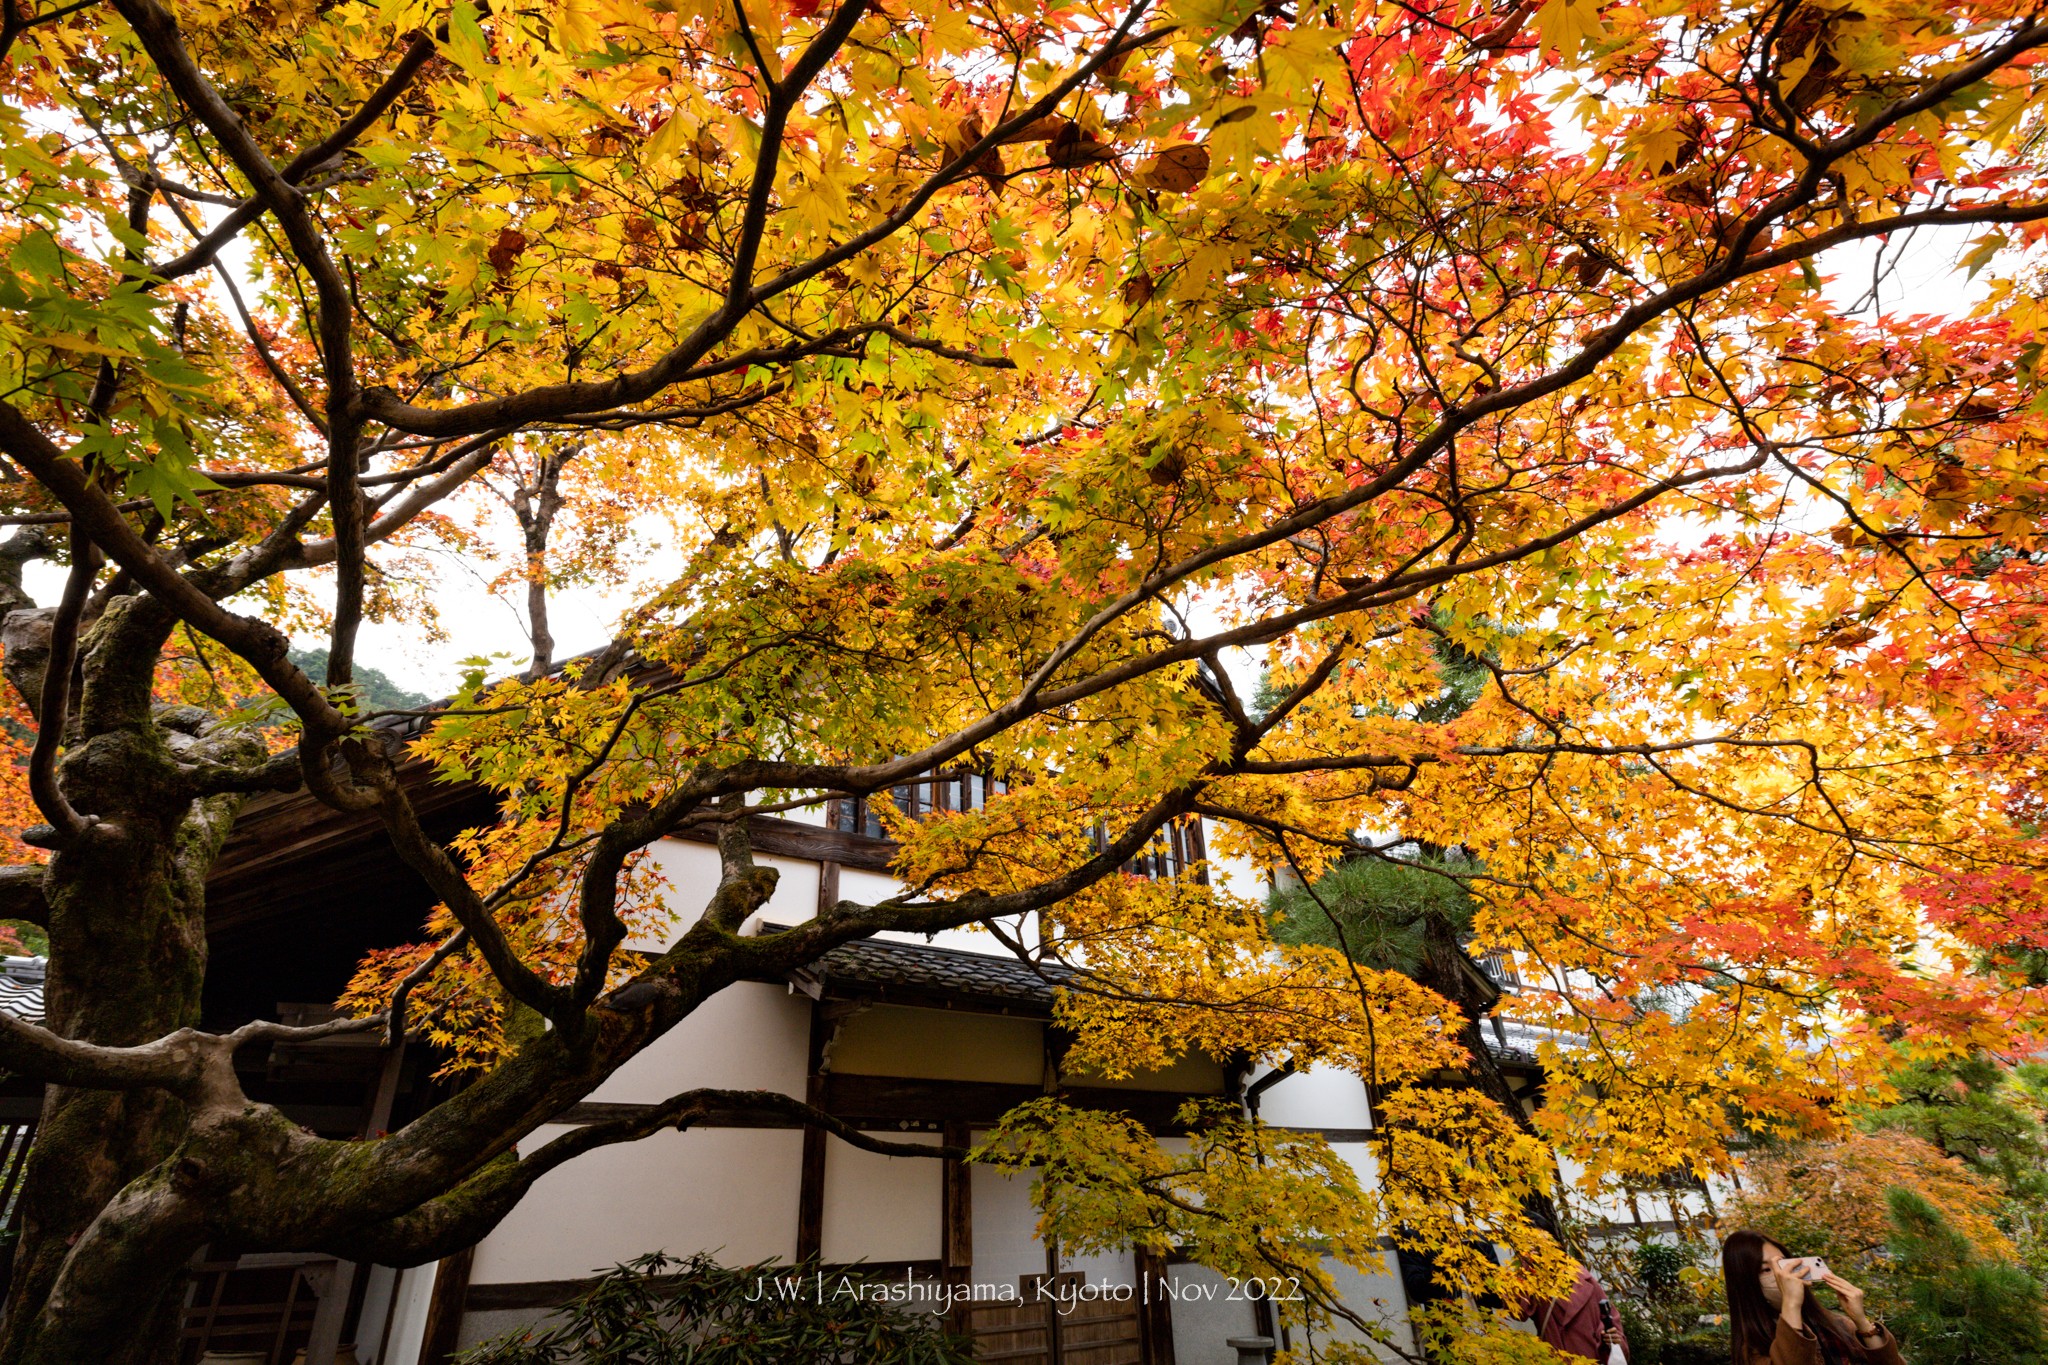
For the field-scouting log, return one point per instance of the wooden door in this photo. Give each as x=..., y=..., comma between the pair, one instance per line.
x=1090, y=1330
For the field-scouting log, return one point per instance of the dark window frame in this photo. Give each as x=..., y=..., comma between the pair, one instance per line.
x=954, y=790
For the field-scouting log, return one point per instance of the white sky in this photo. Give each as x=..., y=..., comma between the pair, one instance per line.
x=477, y=622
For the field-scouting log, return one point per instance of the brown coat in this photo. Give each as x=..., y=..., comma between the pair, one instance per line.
x=1803, y=1348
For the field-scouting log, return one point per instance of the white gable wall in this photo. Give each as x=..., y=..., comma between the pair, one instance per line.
x=728, y=1191
x=750, y=1036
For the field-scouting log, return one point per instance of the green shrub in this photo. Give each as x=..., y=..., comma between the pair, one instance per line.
x=658, y=1310
x=1660, y=1269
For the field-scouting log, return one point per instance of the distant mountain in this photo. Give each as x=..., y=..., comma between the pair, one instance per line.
x=379, y=692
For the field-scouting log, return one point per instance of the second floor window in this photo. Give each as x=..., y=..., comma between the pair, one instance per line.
x=930, y=793
x=1171, y=853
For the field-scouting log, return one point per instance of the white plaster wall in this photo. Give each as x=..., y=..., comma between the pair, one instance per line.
x=1205, y=1317
x=1362, y=1162
x=409, y=1315
x=1605, y=1202
x=1321, y=1097
x=749, y=1036
x=692, y=872
x=942, y=1045
x=378, y=1283
x=1106, y=1267
x=478, y=1328
x=728, y=1191
x=1006, y=1245
x=857, y=884
x=1237, y=876
x=975, y=939
x=1375, y=1296
x=882, y=1208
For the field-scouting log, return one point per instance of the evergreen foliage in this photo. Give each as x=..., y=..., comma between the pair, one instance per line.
x=1965, y=1107
x=1959, y=1308
x=376, y=690
x=1382, y=910
x=659, y=1310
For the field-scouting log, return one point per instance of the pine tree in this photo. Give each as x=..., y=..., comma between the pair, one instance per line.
x=1959, y=1308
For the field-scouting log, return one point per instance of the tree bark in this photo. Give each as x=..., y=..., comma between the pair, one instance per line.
x=127, y=928
x=535, y=506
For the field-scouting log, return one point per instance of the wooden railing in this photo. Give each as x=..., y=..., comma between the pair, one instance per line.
x=261, y=1303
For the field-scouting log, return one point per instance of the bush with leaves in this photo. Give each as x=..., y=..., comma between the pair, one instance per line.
x=1956, y=1305
x=1666, y=1293
x=1829, y=1198
x=659, y=1310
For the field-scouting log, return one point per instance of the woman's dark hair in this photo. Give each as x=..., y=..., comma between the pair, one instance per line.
x=1752, y=1322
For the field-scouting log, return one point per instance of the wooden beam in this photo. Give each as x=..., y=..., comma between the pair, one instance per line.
x=598, y=1111
x=887, y=1101
x=915, y=1104
x=956, y=1227
x=780, y=838
x=280, y=837
x=527, y=1294
x=1155, y=1310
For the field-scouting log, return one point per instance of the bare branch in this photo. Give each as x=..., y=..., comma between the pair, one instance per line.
x=417, y=54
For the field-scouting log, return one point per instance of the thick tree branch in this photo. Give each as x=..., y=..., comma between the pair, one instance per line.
x=281, y=773
x=53, y=715
x=464, y=1215
x=35, y=1053
x=21, y=893
x=262, y=644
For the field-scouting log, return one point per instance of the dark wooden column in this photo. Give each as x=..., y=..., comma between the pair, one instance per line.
x=810, y=1196
x=1155, y=1312
x=956, y=1229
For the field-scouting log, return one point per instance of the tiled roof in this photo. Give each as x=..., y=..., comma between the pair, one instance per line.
x=1517, y=1042
x=919, y=974
x=21, y=987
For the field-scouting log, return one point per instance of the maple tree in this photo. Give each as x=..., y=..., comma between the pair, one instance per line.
x=1000, y=369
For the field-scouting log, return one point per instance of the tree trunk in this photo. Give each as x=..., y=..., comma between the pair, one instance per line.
x=127, y=960
x=1449, y=970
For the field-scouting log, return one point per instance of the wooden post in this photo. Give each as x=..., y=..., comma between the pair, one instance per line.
x=330, y=1320
x=444, y=1308
x=956, y=1228
x=810, y=1196
x=1155, y=1312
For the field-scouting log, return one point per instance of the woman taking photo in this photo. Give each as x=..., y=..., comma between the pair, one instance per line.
x=1774, y=1320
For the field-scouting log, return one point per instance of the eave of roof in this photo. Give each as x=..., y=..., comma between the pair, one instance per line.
x=21, y=988
x=885, y=971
